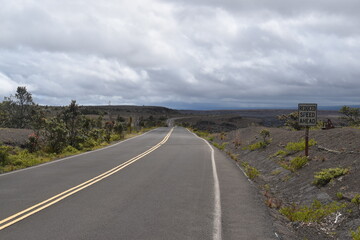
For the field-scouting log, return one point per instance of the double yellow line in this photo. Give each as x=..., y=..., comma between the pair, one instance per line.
x=57, y=198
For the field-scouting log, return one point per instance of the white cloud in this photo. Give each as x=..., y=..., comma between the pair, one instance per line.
x=226, y=53
x=7, y=85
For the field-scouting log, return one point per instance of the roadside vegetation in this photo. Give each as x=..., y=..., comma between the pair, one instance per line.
x=61, y=133
x=294, y=147
x=266, y=140
x=324, y=176
x=316, y=212
x=319, y=194
x=356, y=234
x=250, y=171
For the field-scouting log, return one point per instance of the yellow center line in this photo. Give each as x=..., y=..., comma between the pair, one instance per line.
x=51, y=201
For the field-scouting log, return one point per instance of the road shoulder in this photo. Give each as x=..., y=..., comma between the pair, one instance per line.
x=244, y=215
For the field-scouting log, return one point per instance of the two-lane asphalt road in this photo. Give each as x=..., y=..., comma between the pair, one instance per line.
x=166, y=184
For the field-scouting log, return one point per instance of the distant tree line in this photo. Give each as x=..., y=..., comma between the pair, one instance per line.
x=69, y=127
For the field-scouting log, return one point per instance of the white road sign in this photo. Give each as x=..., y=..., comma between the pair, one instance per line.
x=307, y=114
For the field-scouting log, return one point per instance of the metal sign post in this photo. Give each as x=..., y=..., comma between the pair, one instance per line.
x=307, y=118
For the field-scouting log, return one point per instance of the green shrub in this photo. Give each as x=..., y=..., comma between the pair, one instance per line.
x=265, y=134
x=70, y=150
x=222, y=146
x=33, y=143
x=294, y=164
x=326, y=175
x=356, y=234
x=339, y=195
x=115, y=137
x=250, y=171
x=293, y=147
x=356, y=201
x=4, y=155
x=23, y=159
x=55, y=135
x=276, y=172
x=256, y=146
x=89, y=143
x=298, y=162
x=313, y=213
x=201, y=134
x=279, y=153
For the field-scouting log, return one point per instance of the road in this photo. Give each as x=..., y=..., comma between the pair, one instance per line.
x=165, y=184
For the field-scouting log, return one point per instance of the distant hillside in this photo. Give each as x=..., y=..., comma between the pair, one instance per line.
x=129, y=110
x=119, y=110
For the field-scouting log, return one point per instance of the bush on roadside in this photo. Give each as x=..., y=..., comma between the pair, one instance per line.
x=250, y=171
x=295, y=163
x=326, y=175
x=220, y=146
x=356, y=201
x=294, y=147
x=4, y=155
x=356, y=234
x=313, y=213
x=255, y=146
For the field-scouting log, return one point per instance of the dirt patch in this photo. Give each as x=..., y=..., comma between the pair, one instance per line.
x=14, y=137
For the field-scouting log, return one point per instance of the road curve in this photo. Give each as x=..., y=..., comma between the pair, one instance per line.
x=166, y=184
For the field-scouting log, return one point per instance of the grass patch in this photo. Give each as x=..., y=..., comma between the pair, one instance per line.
x=250, y=171
x=355, y=234
x=233, y=156
x=324, y=176
x=220, y=146
x=295, y=164
x=256, y=146
x=203, y=134
x=313, y=213
x=339, y=195
x=294, y=147
x=356, y=201
x=276, y=172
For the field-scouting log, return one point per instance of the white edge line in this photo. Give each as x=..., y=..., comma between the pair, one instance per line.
x=73, y=156
x=217, y=201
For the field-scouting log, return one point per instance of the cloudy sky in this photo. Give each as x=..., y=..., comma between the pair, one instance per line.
x=182, y=54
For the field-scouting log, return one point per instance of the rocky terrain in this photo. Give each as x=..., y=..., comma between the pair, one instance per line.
x=281, y=186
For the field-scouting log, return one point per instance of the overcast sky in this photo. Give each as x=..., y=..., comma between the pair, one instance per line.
x=182, y=54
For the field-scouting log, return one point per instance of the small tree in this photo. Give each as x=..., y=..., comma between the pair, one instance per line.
x=291, y=120
x=130, y=124
x=16, y=111
x=352, y=115
x=265, y=134
x=356, y=201
x=119, y=129
x=4, y=115
x=71, y=117
x=25, y=102
x=108, y=130
x=55, y=135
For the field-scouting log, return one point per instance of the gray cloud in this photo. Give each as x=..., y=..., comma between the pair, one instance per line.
x=254, y=53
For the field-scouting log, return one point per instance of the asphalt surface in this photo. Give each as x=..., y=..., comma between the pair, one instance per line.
x=172, y=192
